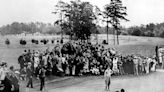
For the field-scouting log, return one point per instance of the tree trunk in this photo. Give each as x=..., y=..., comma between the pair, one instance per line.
x=114, y=36
x=107, y=33
x=96, y=38
x=70, y=37
x=117, y=37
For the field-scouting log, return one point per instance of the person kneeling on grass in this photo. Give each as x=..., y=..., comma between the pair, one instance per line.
x=107, y=75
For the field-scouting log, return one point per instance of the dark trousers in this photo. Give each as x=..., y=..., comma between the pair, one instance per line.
x=121, y=70
x=42, y=83
x=140, y=69
x=30, y=83
x=16, y=88
x=54, y=70
x=64, y=67
x=70, y=70
x=7, y=90
x=77, y=70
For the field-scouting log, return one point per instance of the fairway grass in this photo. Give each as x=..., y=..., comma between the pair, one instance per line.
x=128, y=45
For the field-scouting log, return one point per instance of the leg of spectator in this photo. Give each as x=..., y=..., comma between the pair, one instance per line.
x=122, y=70
x=31, y=82
x=28, y=83
x=109, y=83
x=106, y=84
x=70, y=70
x=73, y=70
x=41, y=84
x=136, y=69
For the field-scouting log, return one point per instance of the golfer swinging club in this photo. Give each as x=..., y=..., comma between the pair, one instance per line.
x=107, y=76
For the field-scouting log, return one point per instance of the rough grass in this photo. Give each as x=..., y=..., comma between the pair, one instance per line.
x=128, y=45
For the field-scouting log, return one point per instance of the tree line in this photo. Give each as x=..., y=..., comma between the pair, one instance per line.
x=44, y=28
x=18, y=28
x=150, y=30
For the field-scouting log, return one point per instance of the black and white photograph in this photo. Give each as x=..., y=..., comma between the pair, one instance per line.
x=81, y=46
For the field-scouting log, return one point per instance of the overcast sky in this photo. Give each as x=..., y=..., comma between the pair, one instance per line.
x=139, y=11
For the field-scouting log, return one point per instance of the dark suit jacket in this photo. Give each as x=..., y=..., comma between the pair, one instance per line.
x=29, y=72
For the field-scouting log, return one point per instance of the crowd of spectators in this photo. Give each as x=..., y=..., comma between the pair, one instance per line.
x=80, y=58
x=72, y=59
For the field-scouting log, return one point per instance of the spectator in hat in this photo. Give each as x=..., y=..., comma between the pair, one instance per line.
x=135, y=61
x=42, y=76
x=107, y=75
x=120, y=66
x=7, y=84
x=14, y=79
x=29, y=75
x=154, y=62
x=3, y=71
x=23, y=73
x=115, y=66
x=147, y=66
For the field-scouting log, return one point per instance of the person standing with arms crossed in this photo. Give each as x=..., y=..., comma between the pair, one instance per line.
x=107, y=75
x=29, y=75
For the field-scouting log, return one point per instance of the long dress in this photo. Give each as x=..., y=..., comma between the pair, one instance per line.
x=147, y=65
x=115, y=66
x=36, y=60
x=86, y=66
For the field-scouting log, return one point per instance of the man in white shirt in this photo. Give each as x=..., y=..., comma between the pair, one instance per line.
x=3, y=71
x=148, y=65
x=136, y=62
x=107, y=75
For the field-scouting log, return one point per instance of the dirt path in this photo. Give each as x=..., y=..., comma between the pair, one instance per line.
x=148, y=83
